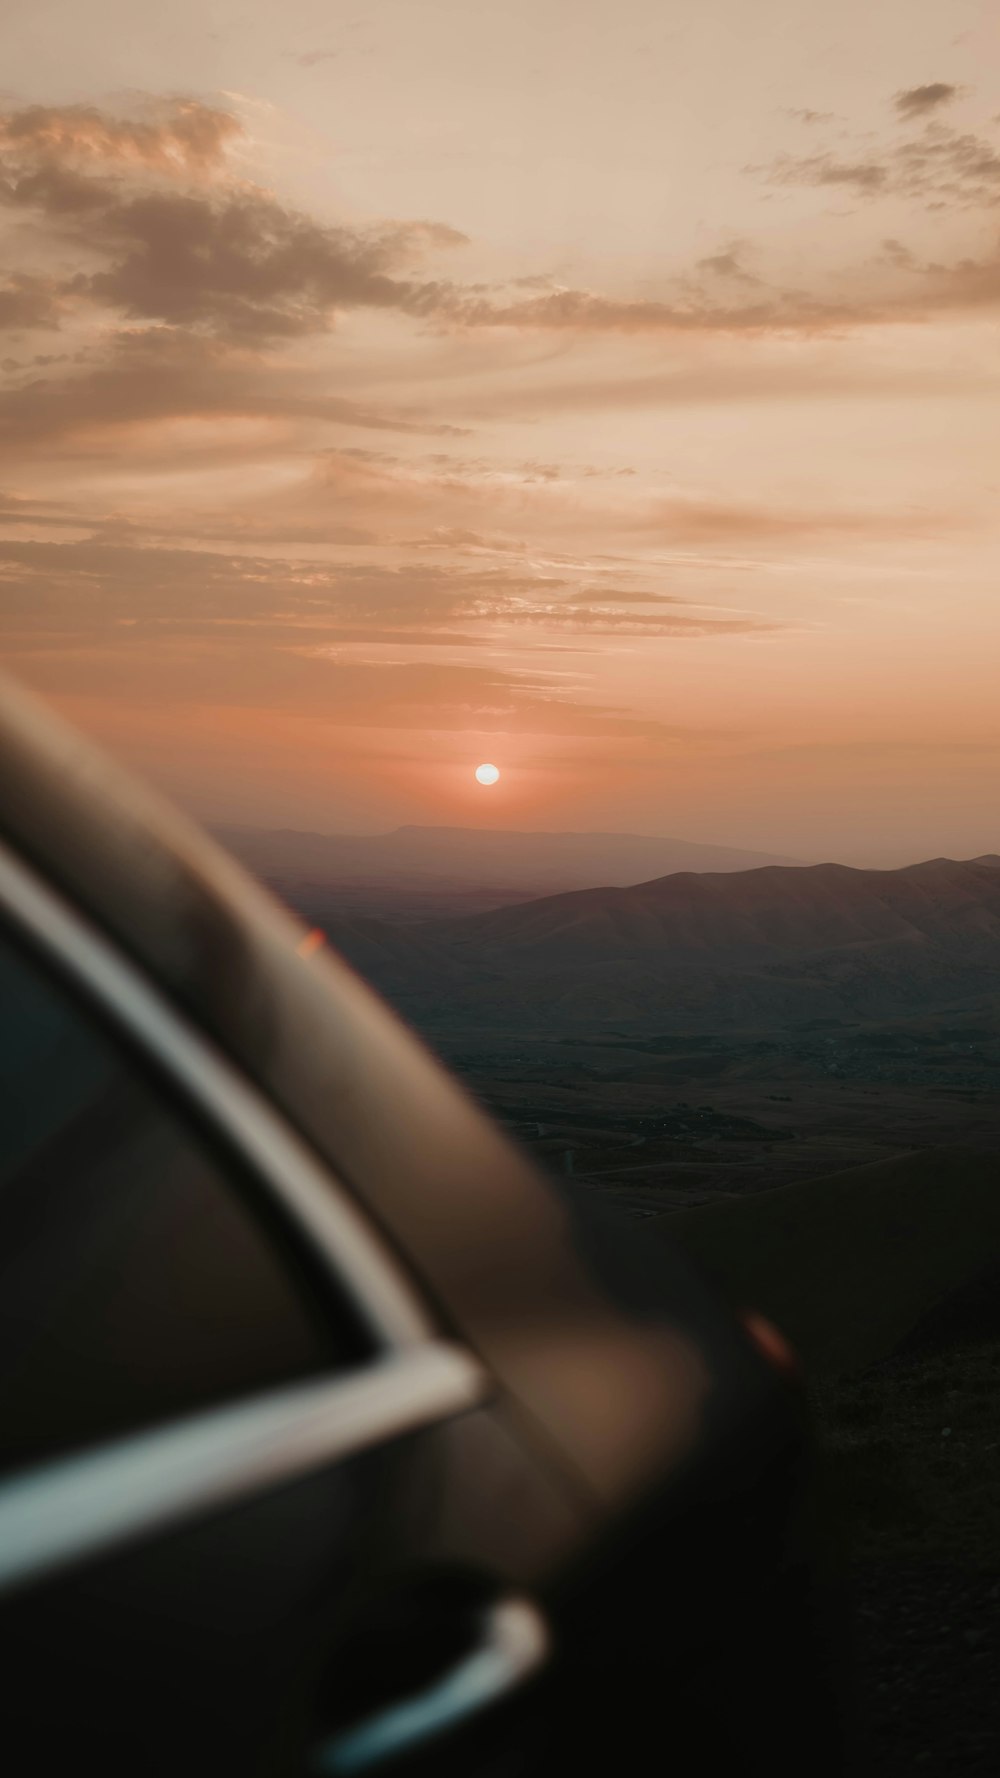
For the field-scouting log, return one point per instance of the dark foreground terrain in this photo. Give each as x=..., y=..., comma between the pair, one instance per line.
x=888, y=1279
x=913, y=1444
x=795, y=1073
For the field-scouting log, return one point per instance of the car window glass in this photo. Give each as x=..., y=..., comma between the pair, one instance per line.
x=136, y=1281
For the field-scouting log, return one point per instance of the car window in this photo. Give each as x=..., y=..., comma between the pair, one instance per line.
x=137, y=1281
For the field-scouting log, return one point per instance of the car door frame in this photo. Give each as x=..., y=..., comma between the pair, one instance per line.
x=60, y=1512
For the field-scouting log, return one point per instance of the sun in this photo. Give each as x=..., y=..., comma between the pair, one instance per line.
x=487, y=774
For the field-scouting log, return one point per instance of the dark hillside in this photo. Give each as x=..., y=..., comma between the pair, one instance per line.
x=849, y=1266
x=688, y=953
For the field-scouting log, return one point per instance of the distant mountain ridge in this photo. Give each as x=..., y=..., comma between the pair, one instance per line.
x=492, y=864
x=702, y=951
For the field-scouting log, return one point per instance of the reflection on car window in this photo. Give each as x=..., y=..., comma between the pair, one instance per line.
x=135, y=1283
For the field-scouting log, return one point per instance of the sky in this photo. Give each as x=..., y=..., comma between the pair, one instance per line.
x=605, y=390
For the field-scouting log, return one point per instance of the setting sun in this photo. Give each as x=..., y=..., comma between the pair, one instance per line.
x=487, y=774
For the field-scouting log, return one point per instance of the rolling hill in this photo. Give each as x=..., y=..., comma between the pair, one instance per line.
x=746, y=915
x=696, y=953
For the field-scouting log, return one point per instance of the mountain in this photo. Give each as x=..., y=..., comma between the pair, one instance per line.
x=421, y=871
x=740, y=917
x=702, y=952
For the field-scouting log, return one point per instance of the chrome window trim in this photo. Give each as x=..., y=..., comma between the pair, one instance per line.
x=514, y=1641
x=64, y=1510
x=358, y=1264
x=68, y=1510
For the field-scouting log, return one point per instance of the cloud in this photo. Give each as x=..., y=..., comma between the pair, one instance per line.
x=485, y=499
x=242, y=267
x=245, y=267
x=727, y=265
x=151, y=375
x=27, y=302
x=586, y=311
x=228, y=259
x=192, y=287
x=178, y=136
x=896, y=254
x=338, y=693
x=963, y=285
x=736, y=376
x=917, y=101
x=109, y=590
x=691, y=521
x=823, y=169
x=459, y=539
x=620, y=596
x=942, y=166
x=967, y=284
x=220, y=257
x=197, y=632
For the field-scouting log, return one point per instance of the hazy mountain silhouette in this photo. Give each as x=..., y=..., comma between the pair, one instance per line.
x=703, y=952
x=417, y=871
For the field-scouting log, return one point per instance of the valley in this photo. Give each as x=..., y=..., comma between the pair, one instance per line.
x=665, y=1123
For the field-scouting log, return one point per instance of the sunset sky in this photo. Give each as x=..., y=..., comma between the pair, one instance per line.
x=604, y=388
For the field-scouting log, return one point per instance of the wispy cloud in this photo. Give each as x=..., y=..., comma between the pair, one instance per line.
x=941, y=167
x=167, y=232
x=643, y=433
x=145, y=376
x=28, y=302
x=174, y=136
x=728, y=264
x=195, y=283
x=216, y=254
x=52, y=593
x=803, y=114
x=917, y=101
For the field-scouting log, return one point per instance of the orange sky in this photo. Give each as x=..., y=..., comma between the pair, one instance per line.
x=606, y=390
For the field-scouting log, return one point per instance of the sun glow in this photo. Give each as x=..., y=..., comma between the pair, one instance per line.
x=487, y=774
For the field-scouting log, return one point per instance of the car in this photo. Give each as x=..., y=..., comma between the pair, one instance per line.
x=335, y=1438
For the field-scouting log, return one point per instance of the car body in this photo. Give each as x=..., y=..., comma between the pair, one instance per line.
x=335, y=1438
